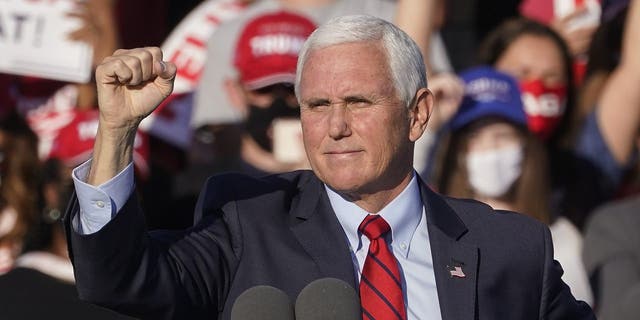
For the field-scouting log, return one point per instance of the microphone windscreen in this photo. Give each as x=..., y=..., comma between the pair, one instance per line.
x=329, y=299
x=262, y=303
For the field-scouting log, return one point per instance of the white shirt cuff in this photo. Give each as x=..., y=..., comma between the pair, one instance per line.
x=98, y=205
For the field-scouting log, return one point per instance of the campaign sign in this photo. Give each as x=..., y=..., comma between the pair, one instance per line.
x=186, y=46
x=33, y=41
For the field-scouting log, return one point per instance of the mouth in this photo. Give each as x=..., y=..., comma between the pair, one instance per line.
x=342, y=153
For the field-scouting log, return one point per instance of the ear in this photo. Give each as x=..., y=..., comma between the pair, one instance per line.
x=235, y=95
x=420, y=113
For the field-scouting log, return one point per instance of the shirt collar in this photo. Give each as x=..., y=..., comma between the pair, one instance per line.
x=403, y=215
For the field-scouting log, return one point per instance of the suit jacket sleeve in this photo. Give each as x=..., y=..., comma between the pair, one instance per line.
x=157, y=275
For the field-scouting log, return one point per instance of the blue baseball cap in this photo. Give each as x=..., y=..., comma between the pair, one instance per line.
x=489, y=93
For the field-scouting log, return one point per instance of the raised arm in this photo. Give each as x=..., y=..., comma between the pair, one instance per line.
x=131, y=84
x=618, y=110
x=417, y=18
x=159, y=275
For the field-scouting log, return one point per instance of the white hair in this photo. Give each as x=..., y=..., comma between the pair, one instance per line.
x=403, y=55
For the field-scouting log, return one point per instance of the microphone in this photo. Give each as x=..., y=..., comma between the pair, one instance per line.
x=262, y=303
x=328, y=299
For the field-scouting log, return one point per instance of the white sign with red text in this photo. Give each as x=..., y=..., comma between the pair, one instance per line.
x=34, y=41
x=186, y=46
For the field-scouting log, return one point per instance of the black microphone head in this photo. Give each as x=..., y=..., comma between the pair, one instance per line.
x=328, y=299
x=262, y=303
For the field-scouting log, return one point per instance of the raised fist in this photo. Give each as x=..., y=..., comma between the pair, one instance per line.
x=131, y=84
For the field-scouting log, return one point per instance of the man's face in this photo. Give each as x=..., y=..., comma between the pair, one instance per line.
x=356, y=131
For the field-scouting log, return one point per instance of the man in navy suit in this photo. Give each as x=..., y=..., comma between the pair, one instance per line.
x=364, y=101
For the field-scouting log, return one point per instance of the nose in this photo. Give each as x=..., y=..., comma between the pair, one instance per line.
x=339, y=122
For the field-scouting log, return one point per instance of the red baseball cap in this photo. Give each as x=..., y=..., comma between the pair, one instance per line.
x=268, y=47
x=74, y=142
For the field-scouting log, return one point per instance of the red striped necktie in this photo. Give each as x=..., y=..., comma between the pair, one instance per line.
x=380, y=288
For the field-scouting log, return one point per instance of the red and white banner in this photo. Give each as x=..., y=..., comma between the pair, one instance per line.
x=186, y=46
x=49, y=117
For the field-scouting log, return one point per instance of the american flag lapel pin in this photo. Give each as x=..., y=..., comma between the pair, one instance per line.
x=456, y=270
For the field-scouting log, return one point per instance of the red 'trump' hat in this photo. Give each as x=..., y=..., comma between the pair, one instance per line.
x=268, y=47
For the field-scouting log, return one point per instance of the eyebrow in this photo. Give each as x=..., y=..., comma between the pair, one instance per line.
x=315, y=102
x=356, y=98
x=347, y=99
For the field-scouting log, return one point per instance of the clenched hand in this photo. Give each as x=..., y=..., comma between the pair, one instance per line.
x=131, y=84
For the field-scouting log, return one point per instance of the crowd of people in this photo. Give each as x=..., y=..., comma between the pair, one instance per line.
x=545, y=123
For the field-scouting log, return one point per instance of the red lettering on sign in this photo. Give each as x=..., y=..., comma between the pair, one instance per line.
x=214, y=20
x=195, y=41
x=189, y=67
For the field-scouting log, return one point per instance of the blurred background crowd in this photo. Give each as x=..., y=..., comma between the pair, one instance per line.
x=537, y=111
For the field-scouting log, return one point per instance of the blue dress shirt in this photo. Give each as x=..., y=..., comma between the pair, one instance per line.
x=98, y=205
x=409, y=241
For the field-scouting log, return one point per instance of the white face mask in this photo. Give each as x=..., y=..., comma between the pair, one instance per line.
x=492, y=172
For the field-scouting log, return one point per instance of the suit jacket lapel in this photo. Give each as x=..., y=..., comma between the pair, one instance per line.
x=319, y=232
x=455, y=264
x=317, y=229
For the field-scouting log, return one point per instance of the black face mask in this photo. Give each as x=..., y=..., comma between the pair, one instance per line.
x=259, y=120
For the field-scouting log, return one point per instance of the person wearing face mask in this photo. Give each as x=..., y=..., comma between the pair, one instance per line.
x=265, y=57
x=541, y=62
x=493, y=157
x=268, y=140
